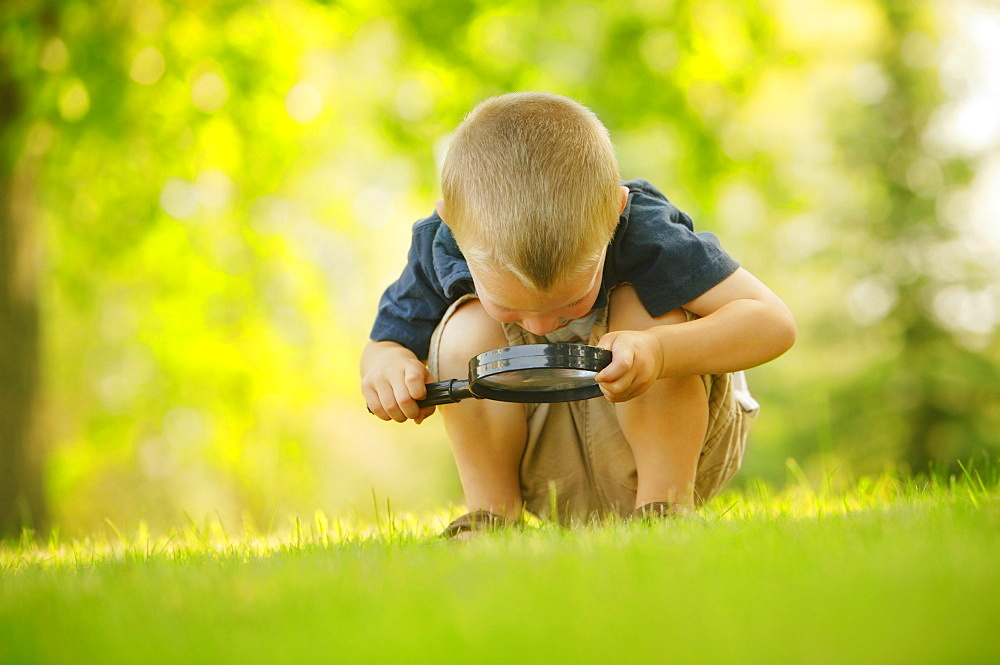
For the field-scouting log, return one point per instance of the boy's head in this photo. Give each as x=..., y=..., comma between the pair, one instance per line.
x=531, y=188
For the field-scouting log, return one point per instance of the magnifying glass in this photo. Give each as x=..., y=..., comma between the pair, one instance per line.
x=559, y=372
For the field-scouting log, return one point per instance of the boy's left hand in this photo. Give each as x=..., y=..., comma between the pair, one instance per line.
x=637, y=360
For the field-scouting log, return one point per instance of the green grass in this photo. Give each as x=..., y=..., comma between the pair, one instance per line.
x=888, y=570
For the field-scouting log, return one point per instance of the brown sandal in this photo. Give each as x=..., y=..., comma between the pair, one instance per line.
x=477, y=520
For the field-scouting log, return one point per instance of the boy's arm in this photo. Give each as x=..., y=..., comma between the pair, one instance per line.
x=392, y=374
x=392, y=379
x=743, y=324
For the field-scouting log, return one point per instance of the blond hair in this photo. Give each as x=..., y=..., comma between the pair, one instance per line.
x=531, y=185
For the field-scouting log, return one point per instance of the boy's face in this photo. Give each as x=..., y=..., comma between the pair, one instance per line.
x=506, y=299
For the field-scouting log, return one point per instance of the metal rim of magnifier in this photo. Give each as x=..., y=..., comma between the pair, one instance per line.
x=534, y=357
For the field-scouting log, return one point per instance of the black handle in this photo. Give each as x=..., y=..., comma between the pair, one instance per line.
x=446, y=392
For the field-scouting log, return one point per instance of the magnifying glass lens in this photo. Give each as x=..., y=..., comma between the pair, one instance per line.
x=540, y=380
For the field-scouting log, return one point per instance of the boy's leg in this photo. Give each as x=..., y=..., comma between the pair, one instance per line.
x=487, y=437
x=666, y=426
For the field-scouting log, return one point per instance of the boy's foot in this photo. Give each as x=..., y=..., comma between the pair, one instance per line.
x=658, y=511
x=474, y=523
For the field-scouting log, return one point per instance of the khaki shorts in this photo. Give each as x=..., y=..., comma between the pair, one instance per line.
x=577, y=461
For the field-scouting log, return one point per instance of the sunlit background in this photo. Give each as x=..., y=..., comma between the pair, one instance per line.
x=205, y=200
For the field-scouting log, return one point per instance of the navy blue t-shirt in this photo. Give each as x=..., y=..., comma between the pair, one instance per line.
x=655, y=248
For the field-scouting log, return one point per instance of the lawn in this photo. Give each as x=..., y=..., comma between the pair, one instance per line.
x=886, y=570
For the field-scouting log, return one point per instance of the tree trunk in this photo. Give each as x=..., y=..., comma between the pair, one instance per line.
x=22, y=503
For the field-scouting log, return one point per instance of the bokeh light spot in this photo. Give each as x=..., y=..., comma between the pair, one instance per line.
x=147, y=66
x=871, y=299
x=868, y=84
x=963, y=310
x=186, y=427
x=413, y=100
x=303, y=103
x=213, y=189
x=659, y=50
x=209, y=92
x=55, y=55
x=179, y=198
x=74, y=102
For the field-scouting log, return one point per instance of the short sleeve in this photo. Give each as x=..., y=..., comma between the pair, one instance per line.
x=412, y=306
x=657, y=250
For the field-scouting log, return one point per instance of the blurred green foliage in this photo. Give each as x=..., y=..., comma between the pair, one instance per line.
x=223, y=189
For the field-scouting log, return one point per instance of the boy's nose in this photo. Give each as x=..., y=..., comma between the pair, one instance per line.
x=540, y=325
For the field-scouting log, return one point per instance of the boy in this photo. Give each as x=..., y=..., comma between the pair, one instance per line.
x=538, y=240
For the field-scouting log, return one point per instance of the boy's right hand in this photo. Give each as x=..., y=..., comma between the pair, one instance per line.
x=392, y=382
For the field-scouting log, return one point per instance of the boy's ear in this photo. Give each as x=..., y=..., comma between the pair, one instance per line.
x=621, y=208
x=439, y=206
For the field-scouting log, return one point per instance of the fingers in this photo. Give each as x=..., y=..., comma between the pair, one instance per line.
x=396, y=399
x=631, y=391
x=608, y=340
x=387, y=398
x=625, y=378
x=424, y=414
x=622, y=360
x=373, y=401
x=622, y=390
x=408, y=391
x=416, y=382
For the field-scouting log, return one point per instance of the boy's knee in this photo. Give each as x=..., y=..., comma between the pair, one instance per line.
x=468, y=332
x=626, y=312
